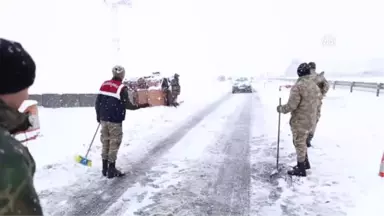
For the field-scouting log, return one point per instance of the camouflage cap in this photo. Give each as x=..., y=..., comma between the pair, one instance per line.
x=312, y=65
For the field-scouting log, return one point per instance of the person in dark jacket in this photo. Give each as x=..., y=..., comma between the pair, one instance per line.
x=17, y=166
x=111, y=103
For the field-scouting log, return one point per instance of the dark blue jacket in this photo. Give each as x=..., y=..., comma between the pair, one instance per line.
x=111, y=101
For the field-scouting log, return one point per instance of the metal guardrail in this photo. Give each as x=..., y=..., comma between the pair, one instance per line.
x=377, y=87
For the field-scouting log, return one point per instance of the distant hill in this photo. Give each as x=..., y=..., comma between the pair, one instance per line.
x=292, y=68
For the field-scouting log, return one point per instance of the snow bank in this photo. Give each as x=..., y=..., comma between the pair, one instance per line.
x=371, y=202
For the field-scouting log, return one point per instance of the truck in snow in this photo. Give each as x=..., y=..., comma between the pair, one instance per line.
x=148, y=91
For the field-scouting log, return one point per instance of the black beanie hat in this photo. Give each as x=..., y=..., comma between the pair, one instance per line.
x=17, y=68
x=303, y=70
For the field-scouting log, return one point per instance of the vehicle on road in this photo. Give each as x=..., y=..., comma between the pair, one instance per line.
x=242, y=85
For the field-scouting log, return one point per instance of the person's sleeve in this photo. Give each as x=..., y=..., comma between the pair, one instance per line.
x=293, y=101
x=326, y=86
x=97, y=108
x=124, y=96
x=17, y=192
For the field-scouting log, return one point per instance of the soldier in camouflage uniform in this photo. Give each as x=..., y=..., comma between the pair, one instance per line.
x=175, y=89
x=17, y=166
x=323, y=84
x=166, y=91
x=302, y=104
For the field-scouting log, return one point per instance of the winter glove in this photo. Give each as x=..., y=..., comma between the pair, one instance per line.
x=23, y=126
x=279, y=109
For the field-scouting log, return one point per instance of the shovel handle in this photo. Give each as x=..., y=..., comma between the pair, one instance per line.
x=93, y=139
x=278, y=138
x=278, y=135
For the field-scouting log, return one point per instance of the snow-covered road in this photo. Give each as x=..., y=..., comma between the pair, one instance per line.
x=110, y=191
x=217, y=160
x=202, y=168
x=206, y=173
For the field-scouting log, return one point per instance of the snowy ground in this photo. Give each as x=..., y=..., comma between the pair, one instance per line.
x=213, y=156
x=345, y=157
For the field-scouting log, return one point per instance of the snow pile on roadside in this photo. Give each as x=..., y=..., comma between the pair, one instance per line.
x=370, y=203
x=345, y=156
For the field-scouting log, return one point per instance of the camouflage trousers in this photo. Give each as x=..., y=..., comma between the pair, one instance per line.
x=313, y=129
x=168, y=97
x=300, y=142
x=111, y=138
x=174, y=96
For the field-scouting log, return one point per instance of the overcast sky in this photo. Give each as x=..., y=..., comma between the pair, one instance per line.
x=72, y=37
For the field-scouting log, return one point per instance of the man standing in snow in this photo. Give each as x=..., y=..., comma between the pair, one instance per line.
x=110, y=105
x=166, y=91
x=302, y=104
x=17, y=166
x=175, y=89
x=323, y=84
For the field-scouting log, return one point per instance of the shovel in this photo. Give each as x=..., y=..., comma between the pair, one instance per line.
x=84, y=160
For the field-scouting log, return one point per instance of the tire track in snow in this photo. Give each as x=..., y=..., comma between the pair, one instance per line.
x=217, y=185
x=96, y=199
x=265, y=191
x=232, y=187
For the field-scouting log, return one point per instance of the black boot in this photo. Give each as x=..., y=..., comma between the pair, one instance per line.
x=309, y=139
x=298, y=170
x=307, y=164
x=113, y=172
x=105, y=167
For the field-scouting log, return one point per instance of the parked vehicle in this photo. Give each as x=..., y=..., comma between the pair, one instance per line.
x=242, y=85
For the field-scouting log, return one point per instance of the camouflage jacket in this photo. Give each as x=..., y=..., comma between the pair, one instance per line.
x=17, y=167
x=320, y=80
x=303, y=103
x=175, y=86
